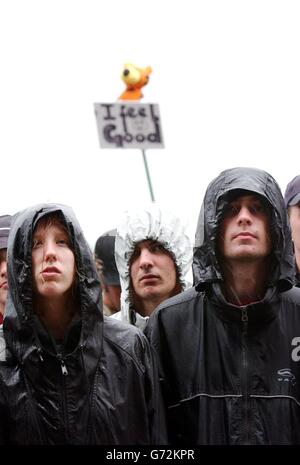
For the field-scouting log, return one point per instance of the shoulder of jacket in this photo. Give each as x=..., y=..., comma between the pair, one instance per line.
x=292, y=296
x=126, y=336
x=116, y=316
x=182, y=297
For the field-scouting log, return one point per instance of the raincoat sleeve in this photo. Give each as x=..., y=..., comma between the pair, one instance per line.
x=3, y=417
x=156, y=409
x=154, y=332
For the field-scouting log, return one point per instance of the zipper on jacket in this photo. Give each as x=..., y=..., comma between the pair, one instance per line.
x=65, y=422
x=244, y=318
x=63, y=367
x=39, y=350
x=62, y=364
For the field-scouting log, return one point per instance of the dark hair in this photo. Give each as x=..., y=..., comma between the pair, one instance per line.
x=53, y=219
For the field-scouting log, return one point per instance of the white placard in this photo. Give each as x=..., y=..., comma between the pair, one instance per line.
x=129, y=125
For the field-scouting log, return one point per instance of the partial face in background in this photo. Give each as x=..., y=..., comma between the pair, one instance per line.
x=152, y=271
x=294, y=215
x=3, y=280
x=111, y=293
x=244, y=232
x=111, y=297
x=53, y=261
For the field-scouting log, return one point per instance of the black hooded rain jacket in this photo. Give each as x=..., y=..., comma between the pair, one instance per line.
x=231, y=375
x=99, y=387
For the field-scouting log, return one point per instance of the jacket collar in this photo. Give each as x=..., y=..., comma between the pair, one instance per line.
x=257, y=312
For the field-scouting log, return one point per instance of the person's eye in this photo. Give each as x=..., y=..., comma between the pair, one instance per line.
x=37, y=243
x=258, y=208
x=231, y=210
x=157, y=248
x=63, y=242
x=135, y=254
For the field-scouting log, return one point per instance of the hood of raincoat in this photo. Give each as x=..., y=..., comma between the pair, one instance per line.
x=156, y=224
x=20, y=322
x=206, y=269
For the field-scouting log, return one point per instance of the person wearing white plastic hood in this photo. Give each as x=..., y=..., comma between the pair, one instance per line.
x=153, y=255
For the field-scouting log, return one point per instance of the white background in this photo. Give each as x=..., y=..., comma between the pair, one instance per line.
x=226, y=75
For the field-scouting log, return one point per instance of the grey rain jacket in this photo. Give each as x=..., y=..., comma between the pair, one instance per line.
x=139, y=225
x=100, y=387
x=231, y=375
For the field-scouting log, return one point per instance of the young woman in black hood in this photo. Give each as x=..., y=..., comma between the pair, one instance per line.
x=70, y=375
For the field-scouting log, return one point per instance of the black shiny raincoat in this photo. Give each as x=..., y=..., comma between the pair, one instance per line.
x=100, y=387
x=231, y=375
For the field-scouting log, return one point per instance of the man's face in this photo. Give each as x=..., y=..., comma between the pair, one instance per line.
x=294, y=214
x=244, y=231
x=53, y=262
x=3, y=280
x=111, y=297
x=152, y=272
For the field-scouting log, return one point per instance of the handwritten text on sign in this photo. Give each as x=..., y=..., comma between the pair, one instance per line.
x=129, y=125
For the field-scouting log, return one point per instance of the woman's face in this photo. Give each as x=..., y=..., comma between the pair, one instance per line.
x=53, y=261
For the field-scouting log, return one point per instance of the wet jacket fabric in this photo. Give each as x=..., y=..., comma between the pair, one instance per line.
x=161, y=226
x=100, y=386
x=231, y=375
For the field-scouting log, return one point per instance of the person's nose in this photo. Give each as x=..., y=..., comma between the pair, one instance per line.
x=3, y=269
x=146, y=259
x=50, y=251
x=244, y=216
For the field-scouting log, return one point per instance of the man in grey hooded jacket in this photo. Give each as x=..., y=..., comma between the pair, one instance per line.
x=229, y=348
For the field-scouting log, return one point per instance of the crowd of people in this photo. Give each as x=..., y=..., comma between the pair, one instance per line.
x=118, y=347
